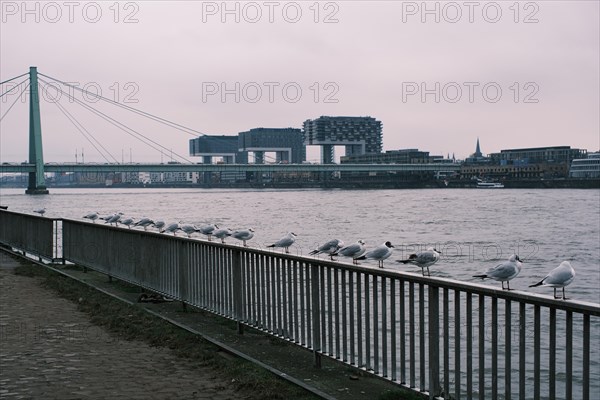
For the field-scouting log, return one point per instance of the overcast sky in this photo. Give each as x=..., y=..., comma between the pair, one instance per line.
x=438, y=76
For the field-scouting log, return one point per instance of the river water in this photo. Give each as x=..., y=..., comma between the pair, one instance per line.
x=474, y=228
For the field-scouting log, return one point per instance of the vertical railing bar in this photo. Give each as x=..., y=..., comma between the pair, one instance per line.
x=367, y=323
x=469, y=323
x=402, y=334
x=507, y=349
x=446, y=306
x=481, y=332
x=434, y=340
x=351, y=290
x=411, y=324
x=569, y=356
x=552, y=366
x=308, y=298
x=336, y=314
x=384, y=326
x=393, y=329
x=316, y=310
x=536, y=351
x=457, y=340
x=302, y=289
x=291, y=300
x=266, y=294
x=323, y=309
x=254, y=277
x=286, y=333
x=344, y=317
x=494, y=347
x=297, y=305
x=376, y=349
x=522, y=343
x=279, y=298
x=586, y=356
x=359, y=315
x=273, y=296
x=329, y=341
x=422, y=334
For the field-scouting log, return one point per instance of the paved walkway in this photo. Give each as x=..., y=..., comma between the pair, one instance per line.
x=49, y=350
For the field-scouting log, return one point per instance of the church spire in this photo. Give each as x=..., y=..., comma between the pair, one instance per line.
x=478, y=150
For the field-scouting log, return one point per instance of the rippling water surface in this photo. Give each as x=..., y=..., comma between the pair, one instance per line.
x=474, y=228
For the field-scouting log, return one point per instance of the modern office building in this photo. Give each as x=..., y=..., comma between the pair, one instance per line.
x=286, y=143
x=209, y=146
x=360, y=135
x=586, y=168
x=537, y=155
x=402, y=156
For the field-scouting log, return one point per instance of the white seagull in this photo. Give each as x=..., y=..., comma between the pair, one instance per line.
x=91, y=216
x=330, y=248
x=40, y=211
x=208, y=230
x=353, y=250
x=243, y=235
x=504, y=272
x=188, y=229
x=144, y=222
x=285, y=242
x=559, y=277
x=113, y=219
x=127, y=222
x=171, y=228
x=222, y=234
x=423, y=259
x=159, y=225
x=379, y=253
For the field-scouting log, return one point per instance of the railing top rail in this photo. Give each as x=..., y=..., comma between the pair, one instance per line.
x=576, y=306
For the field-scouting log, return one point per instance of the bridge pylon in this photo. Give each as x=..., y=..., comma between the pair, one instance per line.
x=37, y=181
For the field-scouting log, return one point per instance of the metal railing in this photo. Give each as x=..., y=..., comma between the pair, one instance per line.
x=31, y=233
x=437, y=336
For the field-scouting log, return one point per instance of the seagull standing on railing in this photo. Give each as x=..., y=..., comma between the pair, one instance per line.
x=353, y=250
x=113, y=219
x=379, y=253
x=171, y=228
x=144, y=222
x=188, y=229
x=208, y=230
x=504, y=272
x=222, y=234
x=127, y=222
x=159, y=225
x=330, y=248
x=423, y=259
x=559, y=277
x=91, y=216
x=40, y=211
x=243, y=235
x=285, y=242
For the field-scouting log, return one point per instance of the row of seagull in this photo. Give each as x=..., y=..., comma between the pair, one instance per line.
x=503, y=272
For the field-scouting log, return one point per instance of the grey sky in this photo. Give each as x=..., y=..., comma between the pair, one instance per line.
x=375, y=60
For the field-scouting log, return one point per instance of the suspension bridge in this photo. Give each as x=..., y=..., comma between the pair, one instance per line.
x=36, y=167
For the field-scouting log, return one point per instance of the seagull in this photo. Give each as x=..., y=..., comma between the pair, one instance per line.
x=91, y=216
x=379, y=253
x=113, y=219
x=208, y=230
x=504, y=272
x=159, y=225
x=171, y=228
x=559, y=277
x=423, y=259
x=127, y=222
x=40, y=211
x=285, y=242
x=353, y=250
x=243, y=235
x=144, y=222
x=189, y=229
x=222, y=234
x=331, y=247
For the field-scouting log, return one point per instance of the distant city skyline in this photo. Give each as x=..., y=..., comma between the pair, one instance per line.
x=438, y=78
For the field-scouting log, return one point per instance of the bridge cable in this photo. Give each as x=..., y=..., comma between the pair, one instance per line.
x=120, y=125
x=164, y=121
x=79, y=126
x=14, y=102
x=16, y=77
x=14, y=87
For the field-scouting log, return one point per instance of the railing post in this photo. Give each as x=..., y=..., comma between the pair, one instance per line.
x=236, y=262
x=434, y=341
x=183, y=276
x=316, y=311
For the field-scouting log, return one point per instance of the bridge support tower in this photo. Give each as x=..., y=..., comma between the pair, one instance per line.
x=37, y=181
